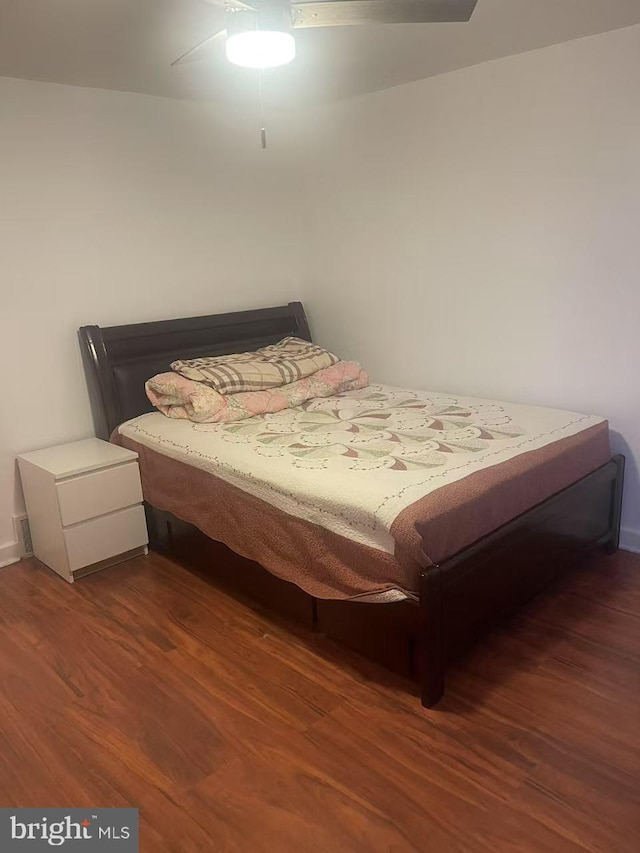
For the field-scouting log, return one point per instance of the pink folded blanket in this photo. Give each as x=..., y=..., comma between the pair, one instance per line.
x=178, y=397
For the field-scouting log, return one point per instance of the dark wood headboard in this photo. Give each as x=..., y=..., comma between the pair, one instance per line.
x=119, y=359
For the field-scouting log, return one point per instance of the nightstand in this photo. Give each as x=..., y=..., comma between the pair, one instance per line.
x=84, y=503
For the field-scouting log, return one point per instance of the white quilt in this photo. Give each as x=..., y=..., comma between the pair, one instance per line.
x=351, y=463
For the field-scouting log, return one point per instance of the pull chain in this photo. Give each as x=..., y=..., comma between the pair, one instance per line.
x=263, y=131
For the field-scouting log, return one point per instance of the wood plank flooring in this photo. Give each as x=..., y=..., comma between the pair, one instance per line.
x=145, y=685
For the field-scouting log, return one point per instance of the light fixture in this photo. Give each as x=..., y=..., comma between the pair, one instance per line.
x=261, y=37
x=261, y=48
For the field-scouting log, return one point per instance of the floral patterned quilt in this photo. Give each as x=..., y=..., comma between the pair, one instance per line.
x=352, y=462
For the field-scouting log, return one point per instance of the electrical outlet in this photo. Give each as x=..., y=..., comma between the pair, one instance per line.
x=23, y=535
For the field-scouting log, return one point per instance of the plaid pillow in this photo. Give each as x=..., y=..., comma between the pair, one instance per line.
x=270, y=367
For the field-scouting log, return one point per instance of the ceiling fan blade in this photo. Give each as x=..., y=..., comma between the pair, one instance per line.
x=198, y=50
x=345, y=13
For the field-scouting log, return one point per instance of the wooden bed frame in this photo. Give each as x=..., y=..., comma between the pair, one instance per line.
x=457, y=599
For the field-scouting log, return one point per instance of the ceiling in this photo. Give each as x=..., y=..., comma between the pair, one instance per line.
x=128, y=45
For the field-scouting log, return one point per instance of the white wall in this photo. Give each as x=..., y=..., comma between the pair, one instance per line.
x=118, y=208
x=478, y=232
x=475, y=232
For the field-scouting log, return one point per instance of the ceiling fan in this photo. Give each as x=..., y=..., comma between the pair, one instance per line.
x=259, y=32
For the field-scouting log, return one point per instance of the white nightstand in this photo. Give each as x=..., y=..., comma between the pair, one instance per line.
x=84, y=503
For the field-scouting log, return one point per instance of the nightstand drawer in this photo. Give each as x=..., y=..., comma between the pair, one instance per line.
x=98, y=492
x=104, y=537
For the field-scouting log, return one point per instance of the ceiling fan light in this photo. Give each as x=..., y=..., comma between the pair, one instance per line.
x=261, y=48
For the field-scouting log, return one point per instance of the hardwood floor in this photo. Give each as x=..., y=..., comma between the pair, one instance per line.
x=144, y=685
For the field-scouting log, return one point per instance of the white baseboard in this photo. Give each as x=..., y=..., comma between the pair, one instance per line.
x=9, y=553
x=630, y=540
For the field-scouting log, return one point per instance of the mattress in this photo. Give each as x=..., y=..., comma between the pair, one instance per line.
x=353, y=495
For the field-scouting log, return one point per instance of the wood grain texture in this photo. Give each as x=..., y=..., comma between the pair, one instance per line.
x=148, y=686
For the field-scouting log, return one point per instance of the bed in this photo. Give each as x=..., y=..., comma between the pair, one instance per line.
x=407, y=521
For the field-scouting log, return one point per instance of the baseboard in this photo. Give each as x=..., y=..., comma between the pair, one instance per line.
x=9, y=553
x=630, y=540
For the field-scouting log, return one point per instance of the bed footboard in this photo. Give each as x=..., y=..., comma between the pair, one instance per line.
x=495, y=576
